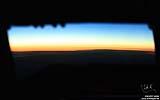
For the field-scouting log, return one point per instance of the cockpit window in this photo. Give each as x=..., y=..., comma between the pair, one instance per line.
x=80, y=44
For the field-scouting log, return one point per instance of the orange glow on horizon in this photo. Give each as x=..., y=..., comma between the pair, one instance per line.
x=78, y=47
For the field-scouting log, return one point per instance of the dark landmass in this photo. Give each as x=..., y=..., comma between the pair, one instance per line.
x=29, y=63
x=88, y=72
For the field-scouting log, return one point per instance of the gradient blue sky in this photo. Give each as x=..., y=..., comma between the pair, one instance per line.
x=82, y=36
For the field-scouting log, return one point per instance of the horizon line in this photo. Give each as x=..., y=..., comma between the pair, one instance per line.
x=82, y=50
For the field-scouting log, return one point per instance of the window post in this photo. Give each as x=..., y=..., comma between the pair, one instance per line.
x=156, y=34
x=6, y=60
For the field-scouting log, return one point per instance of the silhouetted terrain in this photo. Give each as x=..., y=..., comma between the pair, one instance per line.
x=89, y=72
x=29, y=63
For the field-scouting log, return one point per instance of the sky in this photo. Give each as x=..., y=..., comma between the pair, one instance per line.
x=82, y=36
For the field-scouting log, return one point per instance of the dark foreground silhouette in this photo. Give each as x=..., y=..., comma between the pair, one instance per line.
x=30, y=63
x=88, y=73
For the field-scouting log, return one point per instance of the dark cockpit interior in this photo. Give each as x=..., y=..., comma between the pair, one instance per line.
x=94, y=80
